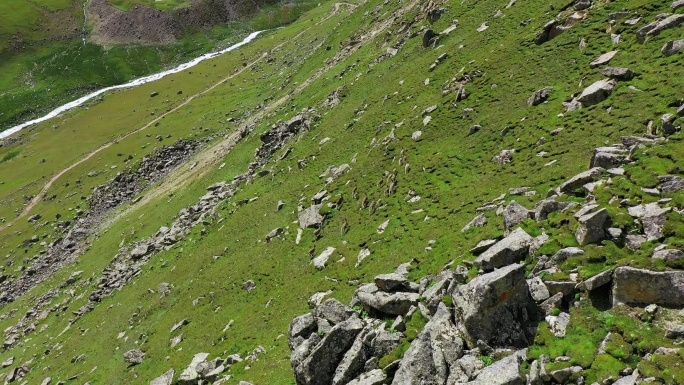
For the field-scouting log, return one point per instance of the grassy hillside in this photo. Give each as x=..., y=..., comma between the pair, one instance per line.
x=48, y=58
x=342, y=51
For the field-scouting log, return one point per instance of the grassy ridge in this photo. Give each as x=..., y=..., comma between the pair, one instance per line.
x=451, y=172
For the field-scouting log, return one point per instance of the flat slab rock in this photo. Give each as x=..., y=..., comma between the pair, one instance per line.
x=633, y=286
x=511, y=249
x=603, y=59
x=506, y=371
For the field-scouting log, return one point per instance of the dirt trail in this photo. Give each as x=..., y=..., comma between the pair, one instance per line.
x=187, y=173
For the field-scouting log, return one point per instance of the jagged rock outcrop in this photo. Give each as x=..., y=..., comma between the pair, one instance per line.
x=432, y=354
x=493, y=308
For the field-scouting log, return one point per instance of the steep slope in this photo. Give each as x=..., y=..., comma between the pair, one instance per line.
x=403, y=138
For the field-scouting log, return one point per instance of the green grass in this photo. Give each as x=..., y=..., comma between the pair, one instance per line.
x=451, y=172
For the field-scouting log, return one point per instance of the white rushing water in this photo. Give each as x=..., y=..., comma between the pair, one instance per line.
x=133, y=83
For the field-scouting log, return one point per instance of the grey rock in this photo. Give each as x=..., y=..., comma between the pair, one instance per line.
x=479, y=221
x=311, y=217
x=672, y=47
x=319, y=367
x=554, y=302
x=653, y=224
x=629, y=141
x=390, y=282
x=374, y=377
x=603, y=59
x=658, y=26
x=608, y=157
x=627, y=380
x=249, y=285
x=676, y=331
x=134, y=356
x=333, y=311
x=597, y=92
x=140, y=251
x=539, y=96
x=634, y=241
x=372, y=299
x=538, y=290
x=549, y=31
x=354, y=360
x=558, y=324
x=384, y=342
x=417, y=366
x=506, y=371
x=614, y=232
x=482, y=246
x=677, y=4
x=567, y=288
x=618, y=73
x=322, y=259
x=562, y=255
x=509, y=250
x=190, y=375
x=668, y=254
x=492, y=307
x=432, y=353
x=473, y=129
x=591, y=227
x=599, y=280
x=580, y=180
x=274, y=233
x=667, y=125
x=633, y=286
x=562, y=376
x=670, y=183
x=513, y=215
x=534, y=378
x=7, y=362
x=548, y=206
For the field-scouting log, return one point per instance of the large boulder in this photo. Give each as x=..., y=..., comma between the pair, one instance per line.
x=597, y=92
x=618, y=73
x=320, y=365
x=372, y=299
x=659, y=26
x=512, y=249
x=639, y=286
x=608, y=157
x=493, y=308
x=506, y=371
x=548, y=206
x=311, y=217
x=652, y=217
x=513, y=215
x=591, y=227
x=580, y=180
x=301, y=326
x=432, y=353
